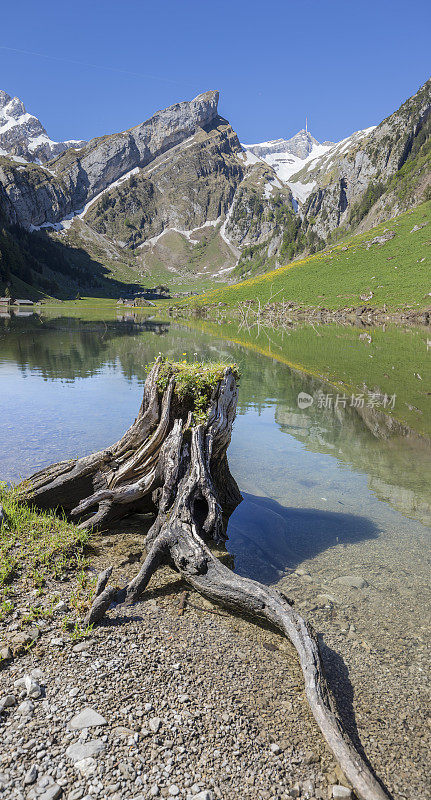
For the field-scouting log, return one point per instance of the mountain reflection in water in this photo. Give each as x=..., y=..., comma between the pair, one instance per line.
x=396, y=461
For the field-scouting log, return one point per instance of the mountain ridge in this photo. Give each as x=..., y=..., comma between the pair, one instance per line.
x=179, y=197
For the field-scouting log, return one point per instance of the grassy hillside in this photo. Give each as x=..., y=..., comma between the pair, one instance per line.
x=397, y=272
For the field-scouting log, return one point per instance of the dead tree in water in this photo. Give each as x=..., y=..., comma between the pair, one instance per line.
x=173, y=460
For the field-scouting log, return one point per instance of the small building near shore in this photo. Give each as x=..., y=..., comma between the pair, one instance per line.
x=5, y=302
x=23, y=303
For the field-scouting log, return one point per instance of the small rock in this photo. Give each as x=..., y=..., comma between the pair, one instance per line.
x=81, y=646
x=77, y=752
x=87, y=718
x=203, y=795
x=352, y=581
x=5, y=654
x=341, y=792
x=7, y=701
x=127, y=771
x=308, y=787
x=311, y=757
x=52, y=792
x=275, y=749
x=60, y=607
x=154, y=790
x=327, y=598
x=174, y=790
x=87, y=766
x=74, y=692
x=32, y=687
x=19, y=641
x=155, y=724
x=27, y=707
x=31, y=775
x=121, y=730
x=75, y=794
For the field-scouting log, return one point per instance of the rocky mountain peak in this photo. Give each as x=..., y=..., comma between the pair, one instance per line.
x=300, y=145
x=5, y=98
x=23, y=136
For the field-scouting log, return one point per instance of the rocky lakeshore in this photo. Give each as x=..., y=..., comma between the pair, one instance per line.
x=157, y=703
x=251, y=313
x=164, y=701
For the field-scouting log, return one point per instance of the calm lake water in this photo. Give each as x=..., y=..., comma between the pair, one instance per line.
x=333, y=492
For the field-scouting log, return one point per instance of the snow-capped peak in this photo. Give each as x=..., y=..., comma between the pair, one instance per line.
x=302, y=154
x=287, y=156
x=23, y=136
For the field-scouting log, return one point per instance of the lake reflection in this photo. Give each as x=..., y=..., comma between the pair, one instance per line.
x=71, y=386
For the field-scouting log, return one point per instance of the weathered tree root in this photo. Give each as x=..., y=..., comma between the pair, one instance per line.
x=185, y=468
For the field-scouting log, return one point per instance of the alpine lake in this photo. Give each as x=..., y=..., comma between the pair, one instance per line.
x=331, y=450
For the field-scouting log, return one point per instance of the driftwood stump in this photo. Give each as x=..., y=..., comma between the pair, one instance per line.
x=167, y=463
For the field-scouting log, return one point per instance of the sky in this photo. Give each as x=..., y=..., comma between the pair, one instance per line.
x=90, y=68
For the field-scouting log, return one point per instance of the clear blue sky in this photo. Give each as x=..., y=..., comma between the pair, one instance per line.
x=89, y=68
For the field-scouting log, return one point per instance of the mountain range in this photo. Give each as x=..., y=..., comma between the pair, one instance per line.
x=178, y=198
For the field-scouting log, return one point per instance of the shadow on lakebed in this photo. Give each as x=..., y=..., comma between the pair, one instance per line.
x=267, y=538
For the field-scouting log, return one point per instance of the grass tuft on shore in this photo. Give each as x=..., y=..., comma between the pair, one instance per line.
x=36, y=549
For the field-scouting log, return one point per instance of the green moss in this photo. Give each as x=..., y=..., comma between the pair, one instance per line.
x=194, y=382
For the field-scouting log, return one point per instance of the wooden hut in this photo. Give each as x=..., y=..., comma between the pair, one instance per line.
x=23, y=303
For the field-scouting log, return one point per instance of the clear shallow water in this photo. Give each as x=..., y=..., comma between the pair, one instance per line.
x=331, y=492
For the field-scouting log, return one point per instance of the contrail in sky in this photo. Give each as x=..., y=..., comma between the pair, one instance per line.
x=93, y=66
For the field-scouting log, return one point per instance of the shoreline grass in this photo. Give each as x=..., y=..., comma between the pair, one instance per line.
x=39, y=552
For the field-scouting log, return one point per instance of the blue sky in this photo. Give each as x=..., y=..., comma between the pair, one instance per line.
x=89, y=68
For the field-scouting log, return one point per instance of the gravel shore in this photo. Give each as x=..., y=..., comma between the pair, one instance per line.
x=156, y=703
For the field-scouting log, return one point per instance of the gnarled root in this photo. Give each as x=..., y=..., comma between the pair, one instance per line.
x=190, y=510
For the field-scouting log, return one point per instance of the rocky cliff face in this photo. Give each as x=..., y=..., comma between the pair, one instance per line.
x=23, y=136
x=375, y=174
x=177, y=190
x=77, y=176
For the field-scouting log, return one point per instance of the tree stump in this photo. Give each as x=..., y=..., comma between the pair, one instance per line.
x=172, y=460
